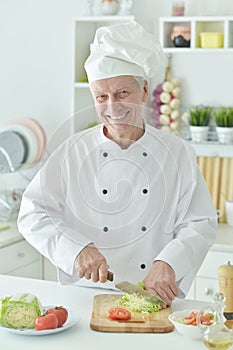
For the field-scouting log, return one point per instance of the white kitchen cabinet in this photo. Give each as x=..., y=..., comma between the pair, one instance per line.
x=207, y=277
x=206, y=288
x=197, y=25
x=84, y=32
x=205, y=284
x=20, y=259
x=31, y=270
x=49, y=270
x=192, y=291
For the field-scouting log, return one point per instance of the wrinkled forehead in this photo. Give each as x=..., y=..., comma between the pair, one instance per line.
x=115, y=83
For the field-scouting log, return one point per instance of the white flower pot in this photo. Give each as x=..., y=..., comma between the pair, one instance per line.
x=199, y=133
x=109, y=8
x=225, y=135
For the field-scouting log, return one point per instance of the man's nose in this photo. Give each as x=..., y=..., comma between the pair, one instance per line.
x=112, y=107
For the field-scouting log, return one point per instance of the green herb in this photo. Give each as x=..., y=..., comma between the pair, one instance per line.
x=224, y=117
x=200, y=115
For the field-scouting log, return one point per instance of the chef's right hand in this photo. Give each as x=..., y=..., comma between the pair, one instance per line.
x=91, y=264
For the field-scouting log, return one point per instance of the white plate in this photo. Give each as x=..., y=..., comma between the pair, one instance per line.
x=70, y=322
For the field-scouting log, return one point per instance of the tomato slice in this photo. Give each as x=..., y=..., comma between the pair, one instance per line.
x=119, y=313
x=205, y=319
x=189, y=320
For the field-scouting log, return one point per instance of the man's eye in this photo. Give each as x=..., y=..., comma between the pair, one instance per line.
x=101, y=98
x=123, y=93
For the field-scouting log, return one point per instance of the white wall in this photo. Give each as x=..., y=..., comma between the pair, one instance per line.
x=36, y=59
x=205, y=78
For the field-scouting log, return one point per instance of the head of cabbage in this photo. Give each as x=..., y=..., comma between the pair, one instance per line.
x=19, y=311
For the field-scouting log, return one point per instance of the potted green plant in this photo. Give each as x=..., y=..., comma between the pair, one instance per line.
x=199, y=119
x=224, y=124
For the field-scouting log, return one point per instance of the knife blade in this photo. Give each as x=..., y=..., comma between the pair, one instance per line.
x=130, y=288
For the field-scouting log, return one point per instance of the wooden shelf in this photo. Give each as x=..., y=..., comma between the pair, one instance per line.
x=223, y=24
x=197, y=50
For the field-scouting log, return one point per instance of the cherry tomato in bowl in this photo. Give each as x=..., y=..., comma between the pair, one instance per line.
x=119, y=313
x=44, y=322
x=60, y=312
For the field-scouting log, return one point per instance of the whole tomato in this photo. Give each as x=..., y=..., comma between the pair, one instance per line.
x=60, y=312
x=46, y=322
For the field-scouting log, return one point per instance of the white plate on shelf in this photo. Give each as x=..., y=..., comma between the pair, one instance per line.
x=70, y=322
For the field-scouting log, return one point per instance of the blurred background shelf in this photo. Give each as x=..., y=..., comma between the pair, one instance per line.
x=213, y=24
x=213, y=149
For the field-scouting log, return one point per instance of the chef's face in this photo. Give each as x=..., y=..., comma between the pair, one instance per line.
x=118, y=102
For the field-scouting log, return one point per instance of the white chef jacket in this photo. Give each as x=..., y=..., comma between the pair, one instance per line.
x=137, y=205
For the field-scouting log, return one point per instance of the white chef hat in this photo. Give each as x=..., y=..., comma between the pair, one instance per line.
x=123, y=49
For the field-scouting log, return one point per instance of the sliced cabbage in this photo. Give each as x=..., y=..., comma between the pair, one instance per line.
x=138, y=303
x=20, y=311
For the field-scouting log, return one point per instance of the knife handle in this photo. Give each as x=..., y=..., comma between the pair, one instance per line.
x=110, y=276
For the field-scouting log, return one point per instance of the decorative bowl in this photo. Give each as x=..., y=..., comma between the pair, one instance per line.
x=189, y=331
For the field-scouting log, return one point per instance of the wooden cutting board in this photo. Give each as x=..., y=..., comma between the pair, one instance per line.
x=139, y=323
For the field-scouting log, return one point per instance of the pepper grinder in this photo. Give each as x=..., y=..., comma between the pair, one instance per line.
x=225, y=279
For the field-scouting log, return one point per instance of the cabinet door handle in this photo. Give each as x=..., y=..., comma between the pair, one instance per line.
x=21, y=255
x=208, y=291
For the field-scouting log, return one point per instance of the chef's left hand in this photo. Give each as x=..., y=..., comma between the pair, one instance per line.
x=161, y=281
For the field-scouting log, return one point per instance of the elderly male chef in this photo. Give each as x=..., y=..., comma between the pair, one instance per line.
x=122, y=195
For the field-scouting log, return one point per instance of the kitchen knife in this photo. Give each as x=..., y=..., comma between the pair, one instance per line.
x=130, y=288
x=110, y=276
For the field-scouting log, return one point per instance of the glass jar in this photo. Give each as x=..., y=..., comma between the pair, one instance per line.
x=178, y=8
x=216, y=336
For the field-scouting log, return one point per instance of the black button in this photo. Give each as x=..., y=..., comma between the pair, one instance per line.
x=143, y=228
x=105, y=229
x=105, y=154
x=144, y=154
x=145, y=191
x=105, y=191
x=143, y=266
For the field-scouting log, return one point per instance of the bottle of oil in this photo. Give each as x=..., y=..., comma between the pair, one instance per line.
x=218, y=336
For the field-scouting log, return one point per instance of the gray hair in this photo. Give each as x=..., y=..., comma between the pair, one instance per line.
x=139, y=80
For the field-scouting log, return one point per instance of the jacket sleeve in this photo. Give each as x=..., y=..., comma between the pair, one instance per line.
x=40, y=218
x=194, y=233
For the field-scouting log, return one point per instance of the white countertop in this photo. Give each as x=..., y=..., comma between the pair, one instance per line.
x=80, y=336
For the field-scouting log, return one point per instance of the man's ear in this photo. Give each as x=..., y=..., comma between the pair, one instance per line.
x=145, y=91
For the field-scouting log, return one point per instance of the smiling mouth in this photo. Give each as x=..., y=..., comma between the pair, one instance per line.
x=119, y=117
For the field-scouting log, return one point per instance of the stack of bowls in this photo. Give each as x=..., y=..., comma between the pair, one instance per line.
x=22, y=142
